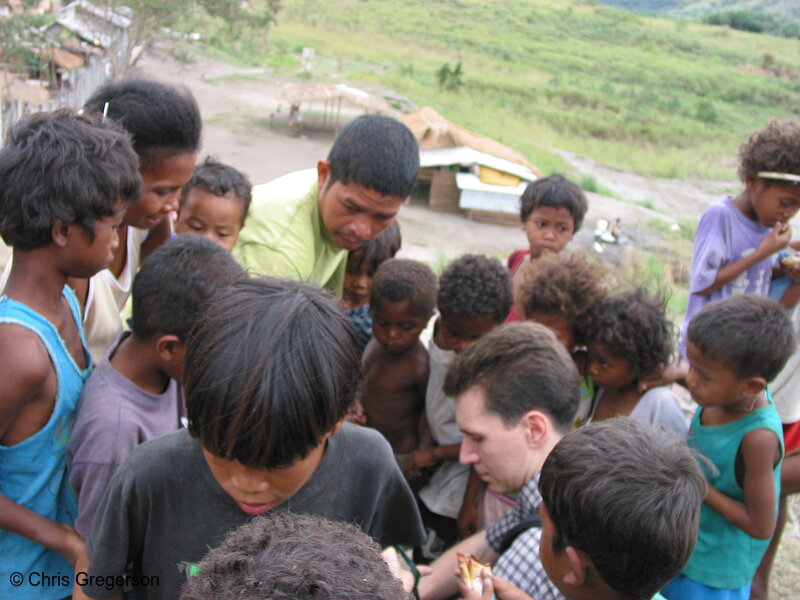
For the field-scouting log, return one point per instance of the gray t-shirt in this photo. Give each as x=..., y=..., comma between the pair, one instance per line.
x=114, y=416
x=164, y=509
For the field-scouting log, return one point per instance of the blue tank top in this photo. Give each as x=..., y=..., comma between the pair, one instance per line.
x=726, y=557
x=33, y=473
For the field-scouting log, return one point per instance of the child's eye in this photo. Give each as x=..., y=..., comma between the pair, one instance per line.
x=406, y=326
x=224, y=234
x=195, y=227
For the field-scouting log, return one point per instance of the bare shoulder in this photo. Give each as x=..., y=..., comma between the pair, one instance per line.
x=421, y=361
x=25, y=369
x=760, y=443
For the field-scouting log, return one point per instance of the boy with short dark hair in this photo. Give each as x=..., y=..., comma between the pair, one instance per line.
x=620, y=510
x=474, y=296
x=265, y=433
x=214, y=203
x=283, y=556
x=734, y=347
x=395, y=362
x=65, y=182
x=134, y=394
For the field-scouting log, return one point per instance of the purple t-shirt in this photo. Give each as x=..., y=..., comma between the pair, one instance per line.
x=114, y=416
x=724, y=236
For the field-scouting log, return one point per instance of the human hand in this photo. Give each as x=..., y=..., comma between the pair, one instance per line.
x=403, y=570
x=792, y=270
x=777, y=239
x=667, y=376
x=356, y=414
x=493, y=587
x=71, y=547
x=419, y=459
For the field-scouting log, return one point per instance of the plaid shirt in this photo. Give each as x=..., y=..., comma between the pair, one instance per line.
x=520, y=564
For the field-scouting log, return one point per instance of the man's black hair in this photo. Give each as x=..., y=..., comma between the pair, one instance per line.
x=521, y=367
x=285, y=556
x=175, y=282
x=749, y=334
x=219, y=179
x=628, y=494
x=271, y=368
x=62, y=166
x=475, y=286
x=398, y=279
x=378, y=153
x=163, y=120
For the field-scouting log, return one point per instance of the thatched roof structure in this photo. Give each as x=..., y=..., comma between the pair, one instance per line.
x=433, y=131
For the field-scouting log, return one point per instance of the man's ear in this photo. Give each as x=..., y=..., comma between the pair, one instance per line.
x=60, y=232
x=168, y=347
x=752, y=386
x=578, y=567
x=537, y=427
x=323, y=174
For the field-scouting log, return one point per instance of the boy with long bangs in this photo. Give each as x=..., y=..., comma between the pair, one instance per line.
x=734, y=348
x=395, y=362
x=474, y=297
x=737, y=237
x=620, y=510
x=214, y=203
x=65, y=182
x=516, y=392
x=359, y=272
x=133, y=395
x=265, y=433
x=551, y=210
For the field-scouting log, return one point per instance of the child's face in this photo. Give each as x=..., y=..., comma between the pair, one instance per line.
x=549, y=230
x=219, y=218
x=456, y=333
x=395, y=326
x=607, y=369
x=161, y=187
x=710, y=382
x=91, y=254
x=555, y=564
x=357, y=280
x=257, y=491
x=559, y=325
x=772, y=202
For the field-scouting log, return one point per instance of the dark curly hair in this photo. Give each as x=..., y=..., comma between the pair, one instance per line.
x=285, y=556
x=377, y=250
x=473, y=286
x=220, y=179
x=163, y=120
x=555, y=191
x=400, y=279
x=567, y=285
x=634, y=327
x=775, y=148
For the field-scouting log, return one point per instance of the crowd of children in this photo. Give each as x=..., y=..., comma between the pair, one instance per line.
x=245, y=437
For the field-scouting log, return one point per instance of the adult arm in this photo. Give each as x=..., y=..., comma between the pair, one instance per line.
x=756, y=516
x=25, y=370
x=441, y=583
x=428, y=457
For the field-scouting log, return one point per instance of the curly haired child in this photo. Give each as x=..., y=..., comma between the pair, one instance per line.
x=736, y=238
x=551, y=210
x=629, y=340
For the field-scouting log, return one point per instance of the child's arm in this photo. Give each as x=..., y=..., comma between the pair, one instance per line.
x=756, y=517
x=428, y=457
x=775, y=240
x=24, y=371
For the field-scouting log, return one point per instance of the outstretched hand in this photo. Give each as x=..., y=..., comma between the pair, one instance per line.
x=493, y=587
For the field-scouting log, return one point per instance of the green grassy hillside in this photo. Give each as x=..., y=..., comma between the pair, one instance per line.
x=780, y=9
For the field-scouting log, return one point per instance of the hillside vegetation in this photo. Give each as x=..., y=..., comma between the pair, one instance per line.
x=657, y=96
x=780, y=9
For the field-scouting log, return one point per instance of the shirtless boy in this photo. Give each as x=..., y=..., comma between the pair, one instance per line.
x=402, y=301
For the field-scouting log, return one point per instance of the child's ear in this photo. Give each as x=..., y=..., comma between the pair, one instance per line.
x=60, y=233
x=752, y=386
x=578, y=564
x=169, y=347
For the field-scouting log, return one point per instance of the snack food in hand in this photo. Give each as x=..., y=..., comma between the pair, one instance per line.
x=470, y=569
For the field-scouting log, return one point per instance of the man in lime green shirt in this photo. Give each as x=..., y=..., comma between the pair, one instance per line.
x=302, y=225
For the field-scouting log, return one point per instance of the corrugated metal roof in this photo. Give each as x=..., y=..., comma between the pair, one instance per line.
x=465, y=156
x=476, y=195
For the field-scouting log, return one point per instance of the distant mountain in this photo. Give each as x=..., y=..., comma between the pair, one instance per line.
x=780, y=9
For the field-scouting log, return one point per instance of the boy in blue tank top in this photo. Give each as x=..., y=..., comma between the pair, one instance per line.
x=65, y=181
x=734, y=348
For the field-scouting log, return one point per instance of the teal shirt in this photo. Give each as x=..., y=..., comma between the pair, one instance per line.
x=284, y=235
x=725, y=556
